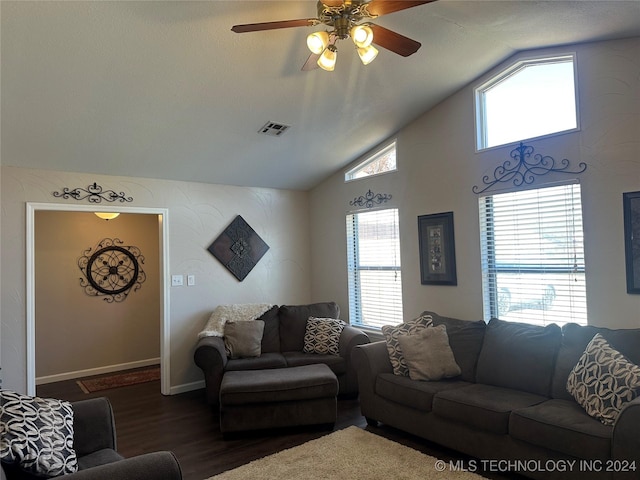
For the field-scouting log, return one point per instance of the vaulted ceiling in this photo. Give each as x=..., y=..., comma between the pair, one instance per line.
x=165, y=89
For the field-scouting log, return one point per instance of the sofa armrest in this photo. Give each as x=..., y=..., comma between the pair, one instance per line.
x=93, y=426
x=150, y=466
x=625, y=445
x=369, y=361
x=211, y=357
x=349, y=339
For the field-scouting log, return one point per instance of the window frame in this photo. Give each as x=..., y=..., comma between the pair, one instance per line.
x=371, y=157
x=354, y=267
x=500, y=75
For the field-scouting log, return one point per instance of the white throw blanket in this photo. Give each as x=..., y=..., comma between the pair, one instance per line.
x=232, y=313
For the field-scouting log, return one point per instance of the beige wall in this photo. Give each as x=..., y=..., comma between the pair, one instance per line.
x=438, y=166
x=197, y=214
x=76, y=331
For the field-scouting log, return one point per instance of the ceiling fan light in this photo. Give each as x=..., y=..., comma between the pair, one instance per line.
x=367, y=54
x=362, y=35
x=317, y=42
x=327, y=60
x=106, y=215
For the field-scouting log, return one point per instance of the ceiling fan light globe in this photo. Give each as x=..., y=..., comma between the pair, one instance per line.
x=362, y=35
x=106, y=215
x=317, y=42
x=367, y=54
x=327, y=60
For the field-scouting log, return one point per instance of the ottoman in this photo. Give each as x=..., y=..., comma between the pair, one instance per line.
x=279, y=397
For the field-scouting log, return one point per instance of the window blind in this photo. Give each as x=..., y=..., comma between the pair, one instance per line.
x=373, y=260
x=532, y=249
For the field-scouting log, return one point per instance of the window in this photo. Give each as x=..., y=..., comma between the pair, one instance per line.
x=373, y=259
x=533, y=257
x=530, y=99
x=383, y=161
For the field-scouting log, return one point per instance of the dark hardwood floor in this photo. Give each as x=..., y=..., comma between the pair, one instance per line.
x=147, y=421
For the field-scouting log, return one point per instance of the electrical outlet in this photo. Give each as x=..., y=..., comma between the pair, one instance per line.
x=177, y=280
x=191, y=280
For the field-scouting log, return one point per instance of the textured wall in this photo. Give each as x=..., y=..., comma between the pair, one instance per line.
x=438, y=166
x=197, y=213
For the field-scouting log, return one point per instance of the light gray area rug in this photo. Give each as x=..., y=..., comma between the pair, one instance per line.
x=348, y=453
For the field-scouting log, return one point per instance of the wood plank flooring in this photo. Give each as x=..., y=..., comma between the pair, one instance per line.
x=147, y=421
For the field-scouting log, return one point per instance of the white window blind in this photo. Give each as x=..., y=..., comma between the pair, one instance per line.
x=373, y=259
x=533, y=256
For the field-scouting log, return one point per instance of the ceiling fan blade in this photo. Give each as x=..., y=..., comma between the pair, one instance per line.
x=312, y=61
x=384, y=7
x=257, y=27
x=393, y=41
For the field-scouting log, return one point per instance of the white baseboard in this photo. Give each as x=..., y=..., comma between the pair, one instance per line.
x=59, y=377
x=187, y=387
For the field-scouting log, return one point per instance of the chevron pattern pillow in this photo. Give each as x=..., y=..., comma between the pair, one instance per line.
x=603, y=381
x=37, y=434
x=322, y=336
x=391, y=334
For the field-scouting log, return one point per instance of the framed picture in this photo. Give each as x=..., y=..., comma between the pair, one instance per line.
x=631, y=209
x=437, y=249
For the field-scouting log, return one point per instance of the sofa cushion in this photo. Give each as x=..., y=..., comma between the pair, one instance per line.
x=562, y=426
x=243, y=339
x=484, y=407
x=465, y=339
x=428, y=355
x=271, y=334
x=296, y=359
x=575, y=339
x=293, y=322
x=37, y=434
x=322, y=336
x=418, y=395
x=519, y=356
x=603, y=381
x=391, y=334
x=264, y=361
x=99, y=457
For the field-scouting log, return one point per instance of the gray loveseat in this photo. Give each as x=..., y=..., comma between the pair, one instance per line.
x=281, y=347
x=510, y=401
x=94, y=442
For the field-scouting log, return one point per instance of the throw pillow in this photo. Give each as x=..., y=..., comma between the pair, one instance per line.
x=322, y=336
x=428, y=354
x=391, y=334
x=243, y=339
x=37, y=434
x=603, y=381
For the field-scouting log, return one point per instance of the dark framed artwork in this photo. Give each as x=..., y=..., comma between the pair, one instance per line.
x=631, y=209
x=437, y=249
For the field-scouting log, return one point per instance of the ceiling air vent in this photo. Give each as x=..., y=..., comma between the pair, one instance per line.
x=274, y=129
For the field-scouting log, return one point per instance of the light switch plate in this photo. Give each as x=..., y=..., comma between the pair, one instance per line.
x=191, y=280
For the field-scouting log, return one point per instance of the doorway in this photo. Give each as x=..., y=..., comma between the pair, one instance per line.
x=162, y=222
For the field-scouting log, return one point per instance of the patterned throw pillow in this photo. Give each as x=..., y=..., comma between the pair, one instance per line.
x=603, y=381
x=391, y=334
x=37, y=434
x=322, y=336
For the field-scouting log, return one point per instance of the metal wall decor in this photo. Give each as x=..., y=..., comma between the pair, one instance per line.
x=369, y=199
x=111, y=270
x=522, y=169
x=239, y=248
x=631, y=210
x=94, y=193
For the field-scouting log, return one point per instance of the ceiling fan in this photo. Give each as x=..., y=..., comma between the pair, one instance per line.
x=347, y=18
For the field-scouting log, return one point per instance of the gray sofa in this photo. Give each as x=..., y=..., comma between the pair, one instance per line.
x=94, y=441
x=510, y=402
x=281, y=347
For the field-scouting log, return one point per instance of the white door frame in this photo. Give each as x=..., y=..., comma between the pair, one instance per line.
x=163, y=214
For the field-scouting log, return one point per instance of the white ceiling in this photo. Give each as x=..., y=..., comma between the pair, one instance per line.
x=166, y=90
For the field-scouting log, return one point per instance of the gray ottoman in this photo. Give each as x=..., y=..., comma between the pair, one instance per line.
x=279, y=397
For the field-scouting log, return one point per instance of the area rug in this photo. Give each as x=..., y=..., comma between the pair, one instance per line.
x=348, y=453
x=122, y=379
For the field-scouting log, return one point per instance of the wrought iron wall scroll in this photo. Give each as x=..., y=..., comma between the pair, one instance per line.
x=523, y=169
x=111, y=270
x=94, y=193
x=369, y=199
